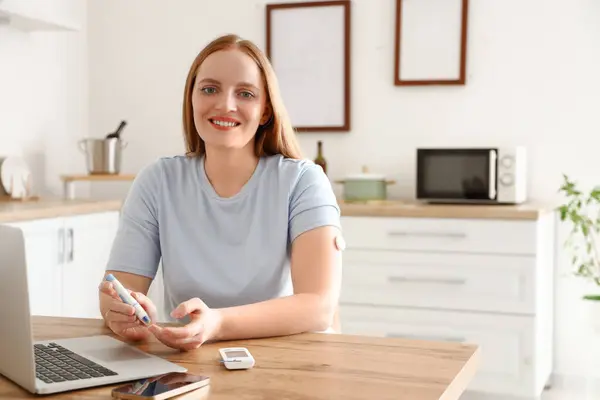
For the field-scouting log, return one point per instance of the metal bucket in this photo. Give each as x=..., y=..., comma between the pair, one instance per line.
x=103, y=156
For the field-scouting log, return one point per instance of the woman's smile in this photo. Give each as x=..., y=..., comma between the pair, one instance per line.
x=224, y=123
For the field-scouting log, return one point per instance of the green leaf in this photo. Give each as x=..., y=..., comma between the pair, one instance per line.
x=585, y=230
x=577, y=211
x=563, y=212
x=593, y=297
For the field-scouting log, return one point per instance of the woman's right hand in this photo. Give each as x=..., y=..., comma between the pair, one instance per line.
x=120, y=317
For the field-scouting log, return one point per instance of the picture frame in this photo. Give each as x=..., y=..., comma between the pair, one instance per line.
x=431, y=42
x=312, y=65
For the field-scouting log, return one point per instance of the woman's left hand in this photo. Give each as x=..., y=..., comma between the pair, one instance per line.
x=204, y=325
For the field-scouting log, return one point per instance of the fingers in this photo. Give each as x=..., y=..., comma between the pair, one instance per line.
x=118, y=306
x=181, y=344
x=129, y=330
x=190, y=336
x=121, y=308
x=144, y=301
x=188, y=307
x=123, y=325
x=120, y=317
x=108, y=289
x=191, y=345
x=147, y=305
x=192, y=329
x=135, y=333
x=113, y=316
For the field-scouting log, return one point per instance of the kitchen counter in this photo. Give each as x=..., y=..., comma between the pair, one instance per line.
x=314, y=366
x=411, y=208
x=13, y=211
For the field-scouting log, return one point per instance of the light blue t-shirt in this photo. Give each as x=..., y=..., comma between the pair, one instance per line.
x=225, y=251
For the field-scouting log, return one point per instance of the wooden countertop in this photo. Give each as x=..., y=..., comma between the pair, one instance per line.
x=14, y=211
x=306, y=366
x=411, y=208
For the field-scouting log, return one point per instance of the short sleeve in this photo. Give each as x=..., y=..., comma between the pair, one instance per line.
x=312, y=203
x=136, y=248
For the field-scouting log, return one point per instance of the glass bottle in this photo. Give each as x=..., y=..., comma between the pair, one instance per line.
x=320, y=160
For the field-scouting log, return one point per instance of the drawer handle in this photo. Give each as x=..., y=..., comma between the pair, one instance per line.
x=70, y=238
x=444, y=281
x=427, y=337
x=450, y=235
x=61, y=246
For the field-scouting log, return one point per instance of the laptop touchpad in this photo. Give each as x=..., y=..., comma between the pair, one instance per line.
x=116, y=354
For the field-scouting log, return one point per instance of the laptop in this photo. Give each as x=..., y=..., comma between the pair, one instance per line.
x=53, y=366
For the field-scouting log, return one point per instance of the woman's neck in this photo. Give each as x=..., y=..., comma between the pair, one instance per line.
x=229, y=170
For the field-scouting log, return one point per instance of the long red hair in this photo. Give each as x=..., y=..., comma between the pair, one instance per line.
x=277, y=136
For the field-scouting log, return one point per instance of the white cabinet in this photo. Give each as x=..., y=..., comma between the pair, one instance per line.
x=88, y=241
x=508, y=361
x=34, y=15
x=461, y=281
x=482, y=281
x=43, y=242
x=448, y=235
x=66, y=259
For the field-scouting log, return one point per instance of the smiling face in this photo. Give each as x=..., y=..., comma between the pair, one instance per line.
x=229, y=100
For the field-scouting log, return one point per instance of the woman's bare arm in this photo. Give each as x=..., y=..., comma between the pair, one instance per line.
x=316, y=275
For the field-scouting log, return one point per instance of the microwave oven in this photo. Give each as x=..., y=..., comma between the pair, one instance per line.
x=491, y=175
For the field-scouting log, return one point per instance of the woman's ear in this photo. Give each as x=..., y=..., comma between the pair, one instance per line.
x=267, y=114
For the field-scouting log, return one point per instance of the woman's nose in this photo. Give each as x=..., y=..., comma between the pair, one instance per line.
x=227, y=102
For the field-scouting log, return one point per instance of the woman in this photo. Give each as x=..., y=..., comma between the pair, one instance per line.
x=246, y=229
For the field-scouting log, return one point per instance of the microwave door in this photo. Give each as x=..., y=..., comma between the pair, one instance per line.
x=493, y=171
x=457, y=175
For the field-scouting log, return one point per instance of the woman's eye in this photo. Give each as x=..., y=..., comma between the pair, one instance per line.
x=246, y=94
x=208, y=90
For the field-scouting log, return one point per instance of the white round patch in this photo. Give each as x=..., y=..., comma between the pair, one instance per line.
x=340, y=243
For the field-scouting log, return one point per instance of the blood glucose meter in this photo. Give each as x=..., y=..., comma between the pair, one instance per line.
x=236, y=358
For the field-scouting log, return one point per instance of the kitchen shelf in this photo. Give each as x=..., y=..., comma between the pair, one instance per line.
x=8, y=199
x=98, y=177
x=69, y=181
x=31, y=24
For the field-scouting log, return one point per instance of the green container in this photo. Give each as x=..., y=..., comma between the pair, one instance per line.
x=365, y=187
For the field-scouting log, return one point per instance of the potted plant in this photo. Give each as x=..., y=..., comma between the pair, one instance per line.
x=582, y=210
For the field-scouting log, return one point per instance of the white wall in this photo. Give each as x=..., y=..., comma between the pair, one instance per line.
x=533, y=79
x=43, y=97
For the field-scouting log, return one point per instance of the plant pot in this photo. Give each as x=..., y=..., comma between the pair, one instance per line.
x=592, y=311
x=365, y=187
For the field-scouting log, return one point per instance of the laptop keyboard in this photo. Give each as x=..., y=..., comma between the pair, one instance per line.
x=54, y=363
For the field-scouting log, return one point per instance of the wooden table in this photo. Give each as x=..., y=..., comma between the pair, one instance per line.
x=306, y=366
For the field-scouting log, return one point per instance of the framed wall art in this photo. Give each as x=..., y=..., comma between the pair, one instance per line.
x=308, y=45
x=431, y=42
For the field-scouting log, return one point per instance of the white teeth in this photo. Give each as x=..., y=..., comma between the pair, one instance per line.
x=224, y=123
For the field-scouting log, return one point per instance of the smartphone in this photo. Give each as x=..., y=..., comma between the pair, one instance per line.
x=161, y=387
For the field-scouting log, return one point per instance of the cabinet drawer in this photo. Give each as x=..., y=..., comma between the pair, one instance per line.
x=496, y=283
x=506, y=342
x=440, y=234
